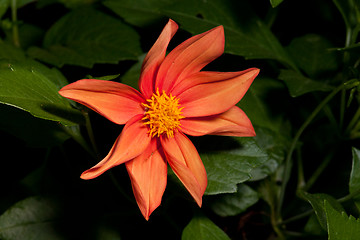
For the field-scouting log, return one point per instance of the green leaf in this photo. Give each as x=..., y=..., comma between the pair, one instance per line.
x=258, y=103
x=9, y=51
x=131, y=77
x=313, y=227
x=275, y=3
x=341, y=226
x=245, y=33
x=4, y=4
x=32, y=218
x=36, y=132
x=275, y=145
x=139, y=13
x=348, y=10
x=233, y=204
x=84, y=37
x=317, y=202
x=299, y=85
x=29, y=88
x=312, y=54
x=227, y=168
x=354, y=184
x=202, y=228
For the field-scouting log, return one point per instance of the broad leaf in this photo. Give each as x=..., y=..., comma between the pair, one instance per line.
x=31, y=89
x=340, y=225
x=245, y=33
x=84, y=37
x=299, y=85
x=202, y=228
x=9, y=51
x=275, y=145
x=131, y=77
x=36, y=132
x=32, y=218
x=354, y=185
x=139, y=13
x=317, y=202
x=228, y=167
x=312, y=54
x=232, y=204
x=261, y=102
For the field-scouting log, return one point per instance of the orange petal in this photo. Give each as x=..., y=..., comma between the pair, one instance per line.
x=154, y=58
x=115, y=101
x=216, y=92
x=233, y=122
x=132, y=142
x=148, y=173
x=190, y=57
x=185, y=161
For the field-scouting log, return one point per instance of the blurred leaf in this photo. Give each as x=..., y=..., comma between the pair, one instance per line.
x=84, y=37
x=232, y=204
x=349, y=10
x=258, y=103
x=275, y=3
x=4, y=4
x=107, y=78
x=76, y=3
x=105, y=232
x=341, y=226
x=9, y=51
x=36, y=132
x=299, y=85
x=29, y=35
x=317, y=202
x=227, y=168
x=311, y=53
x=313, y=227
x=131, y=77
x=245, y=33
x=202, y=228
x=32, y=218
x=29, y=88
x=139, y=13
x=354, y=185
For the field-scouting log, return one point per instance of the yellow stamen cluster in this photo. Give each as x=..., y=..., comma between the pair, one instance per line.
x=162, y=114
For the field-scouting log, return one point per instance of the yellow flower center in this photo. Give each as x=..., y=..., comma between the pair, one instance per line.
x=162, y=114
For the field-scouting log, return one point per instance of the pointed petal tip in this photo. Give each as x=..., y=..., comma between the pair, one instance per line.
x=87, y=175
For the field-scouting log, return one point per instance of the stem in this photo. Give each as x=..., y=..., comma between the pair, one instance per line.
x=287, y=170
x=349, y=196
x=317, y=173
x=301, y=178
x=15, y=28
x=79, y=139
x=298, y=217
x=97, y=156
x=353, y=121
x=91, y=134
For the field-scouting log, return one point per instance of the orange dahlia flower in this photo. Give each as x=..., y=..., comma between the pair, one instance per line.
x=175, y=99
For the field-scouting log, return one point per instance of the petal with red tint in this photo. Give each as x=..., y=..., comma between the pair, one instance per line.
x=115, y=101
x=190, y=57
x=185, y=161
x=132, y=142
x=233, y=122
x=216, y=92
x=154, y=58
x=148, y=174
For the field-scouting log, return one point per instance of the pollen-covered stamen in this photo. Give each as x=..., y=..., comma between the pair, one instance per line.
x=162, y=114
